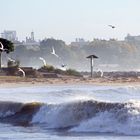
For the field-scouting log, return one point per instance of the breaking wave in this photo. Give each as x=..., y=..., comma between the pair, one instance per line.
x=77, y=116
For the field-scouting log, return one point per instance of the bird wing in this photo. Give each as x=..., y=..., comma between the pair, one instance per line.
x=11, y=59
x=21, y=70
x=111, y=26
x=43, y=60
x=53, y=51
x=56, y=55
x=2, y=47
x=40, y=58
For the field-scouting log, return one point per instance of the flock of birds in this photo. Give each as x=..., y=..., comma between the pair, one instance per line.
x=56, y=55
x=43, y=60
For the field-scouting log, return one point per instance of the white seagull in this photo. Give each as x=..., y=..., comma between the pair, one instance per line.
x=53, y=52
x=102, y=73
x=10, y=59
x=43, y=60
x=112, y=26
x=21, y=70
x=2, y=47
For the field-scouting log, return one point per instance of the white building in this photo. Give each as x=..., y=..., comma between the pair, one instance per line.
x=9, y=35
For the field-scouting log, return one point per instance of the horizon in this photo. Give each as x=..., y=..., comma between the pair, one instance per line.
x=72, y=19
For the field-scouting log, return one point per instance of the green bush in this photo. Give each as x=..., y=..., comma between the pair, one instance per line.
x=70, y=72
x=47, y=68
x=73, y=72
x=11, y=64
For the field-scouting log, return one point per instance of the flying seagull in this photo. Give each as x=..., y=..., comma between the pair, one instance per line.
x=53, y=52
x=2, y=47
x=112, y=26
x=21, y=70
x=63, y=65
x=10, y=59
x=43, y=60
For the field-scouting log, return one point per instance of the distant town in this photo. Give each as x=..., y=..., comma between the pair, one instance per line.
x=30, y=41
x=12, y=36
x=124, y=54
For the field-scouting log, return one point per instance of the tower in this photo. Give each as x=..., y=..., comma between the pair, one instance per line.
x=32, y=36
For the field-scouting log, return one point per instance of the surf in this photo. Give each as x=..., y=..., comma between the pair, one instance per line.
x=78, y=116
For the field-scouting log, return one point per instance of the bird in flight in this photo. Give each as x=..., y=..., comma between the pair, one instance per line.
x=10, y=59
x=43, y=60
x=112, y=26
x=21, y=70
x=2, y=47
x=63, y=65
x=53, y=52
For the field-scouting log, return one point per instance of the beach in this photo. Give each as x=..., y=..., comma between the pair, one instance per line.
x=9, y=81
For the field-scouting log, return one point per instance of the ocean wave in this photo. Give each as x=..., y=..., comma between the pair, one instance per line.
x=92, y=116
x=125, y=120
x=72, y=114
x=78, y=116
x=18, y=113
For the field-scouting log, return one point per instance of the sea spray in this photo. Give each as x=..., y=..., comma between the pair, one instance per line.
x=123, y=121
x=77, y=116
x=71, y=114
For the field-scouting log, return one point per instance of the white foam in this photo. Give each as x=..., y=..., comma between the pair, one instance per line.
x=58, y=116
x=114, y=123
x=7, y=113
x=125, y=120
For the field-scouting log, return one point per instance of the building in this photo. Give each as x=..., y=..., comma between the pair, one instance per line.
x=132, y=38
x=31, y=38
x=79, y=42
x=30, y=41
x=9, y=35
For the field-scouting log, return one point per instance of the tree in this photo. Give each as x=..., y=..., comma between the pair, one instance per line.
x=8, y=47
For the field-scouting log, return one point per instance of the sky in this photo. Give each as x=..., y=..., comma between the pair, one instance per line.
x=70, y=19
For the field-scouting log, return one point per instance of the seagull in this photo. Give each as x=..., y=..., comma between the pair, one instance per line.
x=63, y=65
x=112, y=26
x=21, y=70
x=2, y=47
x=53, y=52
x=102, y=73
x=43, y=60
x=10, y=59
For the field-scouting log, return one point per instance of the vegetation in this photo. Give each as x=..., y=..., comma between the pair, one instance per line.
x=8, y=47
x=11, y=64
x=123, y=53
x=73, y=72
x=47, y=68
x=51, y=69
x=12, y=67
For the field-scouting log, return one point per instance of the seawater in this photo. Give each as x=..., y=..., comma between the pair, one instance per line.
x=70, y=112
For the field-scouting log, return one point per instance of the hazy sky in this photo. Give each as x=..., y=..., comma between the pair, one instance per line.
x=68, y=19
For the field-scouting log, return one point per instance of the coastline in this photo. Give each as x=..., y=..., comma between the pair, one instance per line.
x=13, y=81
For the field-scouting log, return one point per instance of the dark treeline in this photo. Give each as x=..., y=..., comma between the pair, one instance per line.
x=113, y=54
